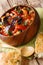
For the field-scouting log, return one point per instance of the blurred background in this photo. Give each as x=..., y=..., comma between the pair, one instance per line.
x=7, y=4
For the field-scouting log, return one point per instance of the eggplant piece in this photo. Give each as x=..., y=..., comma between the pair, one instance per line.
x=12, y=26
x=7, y=20
x=6, y=29
x=0, y=25
x=0, y=19
x=20, y=20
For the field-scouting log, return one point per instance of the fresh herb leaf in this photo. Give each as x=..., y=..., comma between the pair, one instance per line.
x=10, y=33
x=28, y=9
x=16, y=8
x=20, y=11
x=26, y=22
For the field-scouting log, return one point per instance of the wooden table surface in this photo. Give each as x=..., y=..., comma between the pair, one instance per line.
x=7, y=4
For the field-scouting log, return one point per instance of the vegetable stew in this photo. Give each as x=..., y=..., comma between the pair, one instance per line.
x=16, y=20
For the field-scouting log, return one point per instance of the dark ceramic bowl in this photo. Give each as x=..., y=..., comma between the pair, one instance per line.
x=24, y=36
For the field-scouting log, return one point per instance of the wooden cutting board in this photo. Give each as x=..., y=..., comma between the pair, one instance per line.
x=7, y=4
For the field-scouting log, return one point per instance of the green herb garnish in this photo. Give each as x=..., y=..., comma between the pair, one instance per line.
x=19, y=10
x=26, y=22
x=10, y=33
x=28, y=9
x=16, y=8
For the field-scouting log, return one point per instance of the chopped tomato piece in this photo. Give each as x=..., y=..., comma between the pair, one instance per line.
x=5, y=34
x=15, y=30
x=24, y=12
x=14, y=12
x=29, y=17
x=20, y=27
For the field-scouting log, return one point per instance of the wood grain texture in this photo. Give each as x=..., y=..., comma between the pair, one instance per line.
x=7, y=4
x=17, y=2
x=40, y=61
x=4, y=6
x=1, y=10
x=35, y=3
x=25, y=61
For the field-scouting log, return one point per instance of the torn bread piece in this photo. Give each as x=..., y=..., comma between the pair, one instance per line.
x=39, y=45
x=10, y=56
